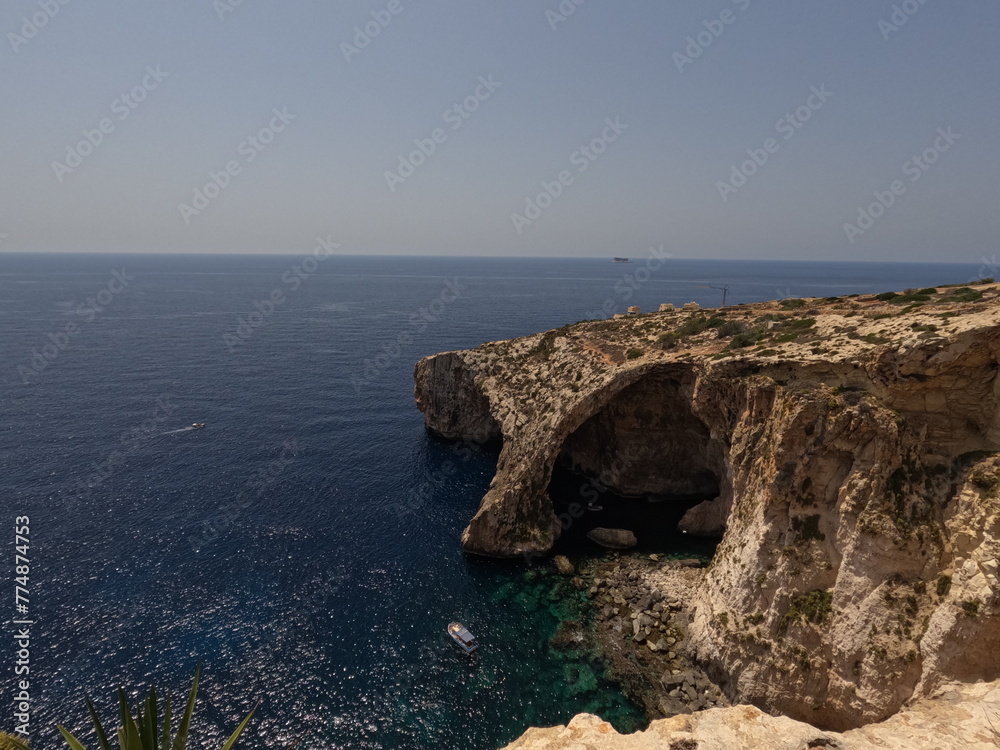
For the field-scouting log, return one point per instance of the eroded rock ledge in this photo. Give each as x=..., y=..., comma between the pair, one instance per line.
x=852, y=445
x=959, y=717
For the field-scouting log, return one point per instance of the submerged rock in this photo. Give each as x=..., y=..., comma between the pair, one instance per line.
x=570, y=634
x=563, y=565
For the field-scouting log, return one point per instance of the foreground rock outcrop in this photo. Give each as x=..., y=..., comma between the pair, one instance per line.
x=959, y=717
x=849, y=448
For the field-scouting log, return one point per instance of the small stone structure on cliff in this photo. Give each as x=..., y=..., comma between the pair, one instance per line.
x=852, y=446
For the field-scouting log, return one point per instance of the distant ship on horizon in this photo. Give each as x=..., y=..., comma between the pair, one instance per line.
x=620, y=260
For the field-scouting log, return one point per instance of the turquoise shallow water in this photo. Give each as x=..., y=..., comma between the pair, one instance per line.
x=304, y=544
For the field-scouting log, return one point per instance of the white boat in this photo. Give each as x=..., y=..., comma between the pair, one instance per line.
x=197, y=425
x=460, y=634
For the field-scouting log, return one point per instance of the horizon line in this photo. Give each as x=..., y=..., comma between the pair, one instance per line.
x=633, y=259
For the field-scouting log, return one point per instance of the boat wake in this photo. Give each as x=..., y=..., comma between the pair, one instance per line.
x=189, y=428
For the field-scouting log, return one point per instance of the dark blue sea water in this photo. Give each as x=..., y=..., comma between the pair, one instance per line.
x=303, y=545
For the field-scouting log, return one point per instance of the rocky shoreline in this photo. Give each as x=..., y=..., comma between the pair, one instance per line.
x=640, y=611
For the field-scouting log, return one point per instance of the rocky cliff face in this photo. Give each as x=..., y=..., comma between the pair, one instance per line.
x=850, y=444
x=961, y=717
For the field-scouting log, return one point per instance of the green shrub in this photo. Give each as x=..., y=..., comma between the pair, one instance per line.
x=669, y=340
x=747, y=338
x=545, y=346
x=902, y=299
x=793, y=304
x=698, y=323
x=971, y=607
x=886, y=296
x=943, y=586
x=143, y=732
x=634, y=353
x=963, y=294
x=814, y=607
x=799, y=324
x=984, y=481
x=874, y=338
x=731, y=328
x=12, y=742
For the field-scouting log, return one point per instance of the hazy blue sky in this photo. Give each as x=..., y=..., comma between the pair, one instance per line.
x=657, y=184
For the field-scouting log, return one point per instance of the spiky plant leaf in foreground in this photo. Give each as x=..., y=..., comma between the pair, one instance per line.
x=144, y=732
x=12, y=742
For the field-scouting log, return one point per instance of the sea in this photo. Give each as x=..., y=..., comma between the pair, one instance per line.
x=303, y=545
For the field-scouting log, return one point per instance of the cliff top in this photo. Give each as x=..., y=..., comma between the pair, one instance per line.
x=820, y=328
x=529, y=380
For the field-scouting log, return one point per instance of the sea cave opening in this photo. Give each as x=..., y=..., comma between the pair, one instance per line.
x=639, y=464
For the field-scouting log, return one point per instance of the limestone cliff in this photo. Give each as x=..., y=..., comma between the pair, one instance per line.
x=850, y=444
x=961, y=717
